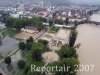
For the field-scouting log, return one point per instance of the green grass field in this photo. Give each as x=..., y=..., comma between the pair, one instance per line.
x=8, y=31
x=53, y=30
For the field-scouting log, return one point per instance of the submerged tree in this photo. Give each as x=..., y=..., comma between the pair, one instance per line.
x=8, y=60
x=21, y=64
x=0, y=40
x=22, y=46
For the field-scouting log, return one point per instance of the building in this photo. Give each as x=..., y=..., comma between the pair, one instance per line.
x=30, y=29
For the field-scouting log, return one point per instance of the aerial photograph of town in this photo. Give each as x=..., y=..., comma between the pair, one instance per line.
x=49, y=37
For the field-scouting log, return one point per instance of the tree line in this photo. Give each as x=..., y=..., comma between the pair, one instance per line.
x=19, y=23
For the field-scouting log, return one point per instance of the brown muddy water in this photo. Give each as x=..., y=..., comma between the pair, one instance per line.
x=89, y=51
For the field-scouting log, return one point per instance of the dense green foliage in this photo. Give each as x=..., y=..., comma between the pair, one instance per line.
x=19, y=23
x=53, y=29
x=50, y=23
x=44, y=42
x=27, y=45
x=76, y=23
x=8, y=60
x=8, y=31
x=22, y=45
x=37, y=55
x=67, y=51
x=58, y=21
x=73, y=36
x=70, y=65
x=37, y=48
x=21, y=64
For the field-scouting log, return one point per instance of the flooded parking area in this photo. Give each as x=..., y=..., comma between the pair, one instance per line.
x=89, y=51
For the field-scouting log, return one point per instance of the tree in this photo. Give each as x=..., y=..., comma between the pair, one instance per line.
x=72, y=63
x=72, y=38
x=4, y=16
x=58, y=21
x=50, y=22
x=28, y=46
x=37, y=55
x=22, y=45
x=44, y=42
x=21, y=64
x=67, y=20
x=31, y=39
x=9, y=21
x=66, y=51
x=8, y=60
x=42, y=19
x=76, y=23
x=30, y=73
x=18, y=24
x=0, y=40
x=40, y=25
x=26, y=69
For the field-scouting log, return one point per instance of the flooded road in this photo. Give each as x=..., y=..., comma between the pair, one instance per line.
x=89, y=51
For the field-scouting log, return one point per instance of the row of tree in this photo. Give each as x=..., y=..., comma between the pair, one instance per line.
x=59, y=21
x=26, y=46
x=19, y=23
x=73, y=34
x=68, y=56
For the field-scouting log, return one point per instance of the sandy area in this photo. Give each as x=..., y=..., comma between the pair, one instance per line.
x=23, y=35
x=50, y=57
x=62, y=33
x=89, y=51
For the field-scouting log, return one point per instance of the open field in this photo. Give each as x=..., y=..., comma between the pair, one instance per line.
x=8, y=31
x=23, y=35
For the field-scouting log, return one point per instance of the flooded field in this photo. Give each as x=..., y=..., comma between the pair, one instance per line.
x=89, y=51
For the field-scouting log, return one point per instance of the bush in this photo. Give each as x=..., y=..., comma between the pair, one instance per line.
x=8, y=60
x=21, y=64
x=44, y=42
x=37, y=55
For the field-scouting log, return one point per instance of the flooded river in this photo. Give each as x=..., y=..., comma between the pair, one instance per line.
x=89, y=51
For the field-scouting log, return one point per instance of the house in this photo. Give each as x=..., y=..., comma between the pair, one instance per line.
x=30, y=29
